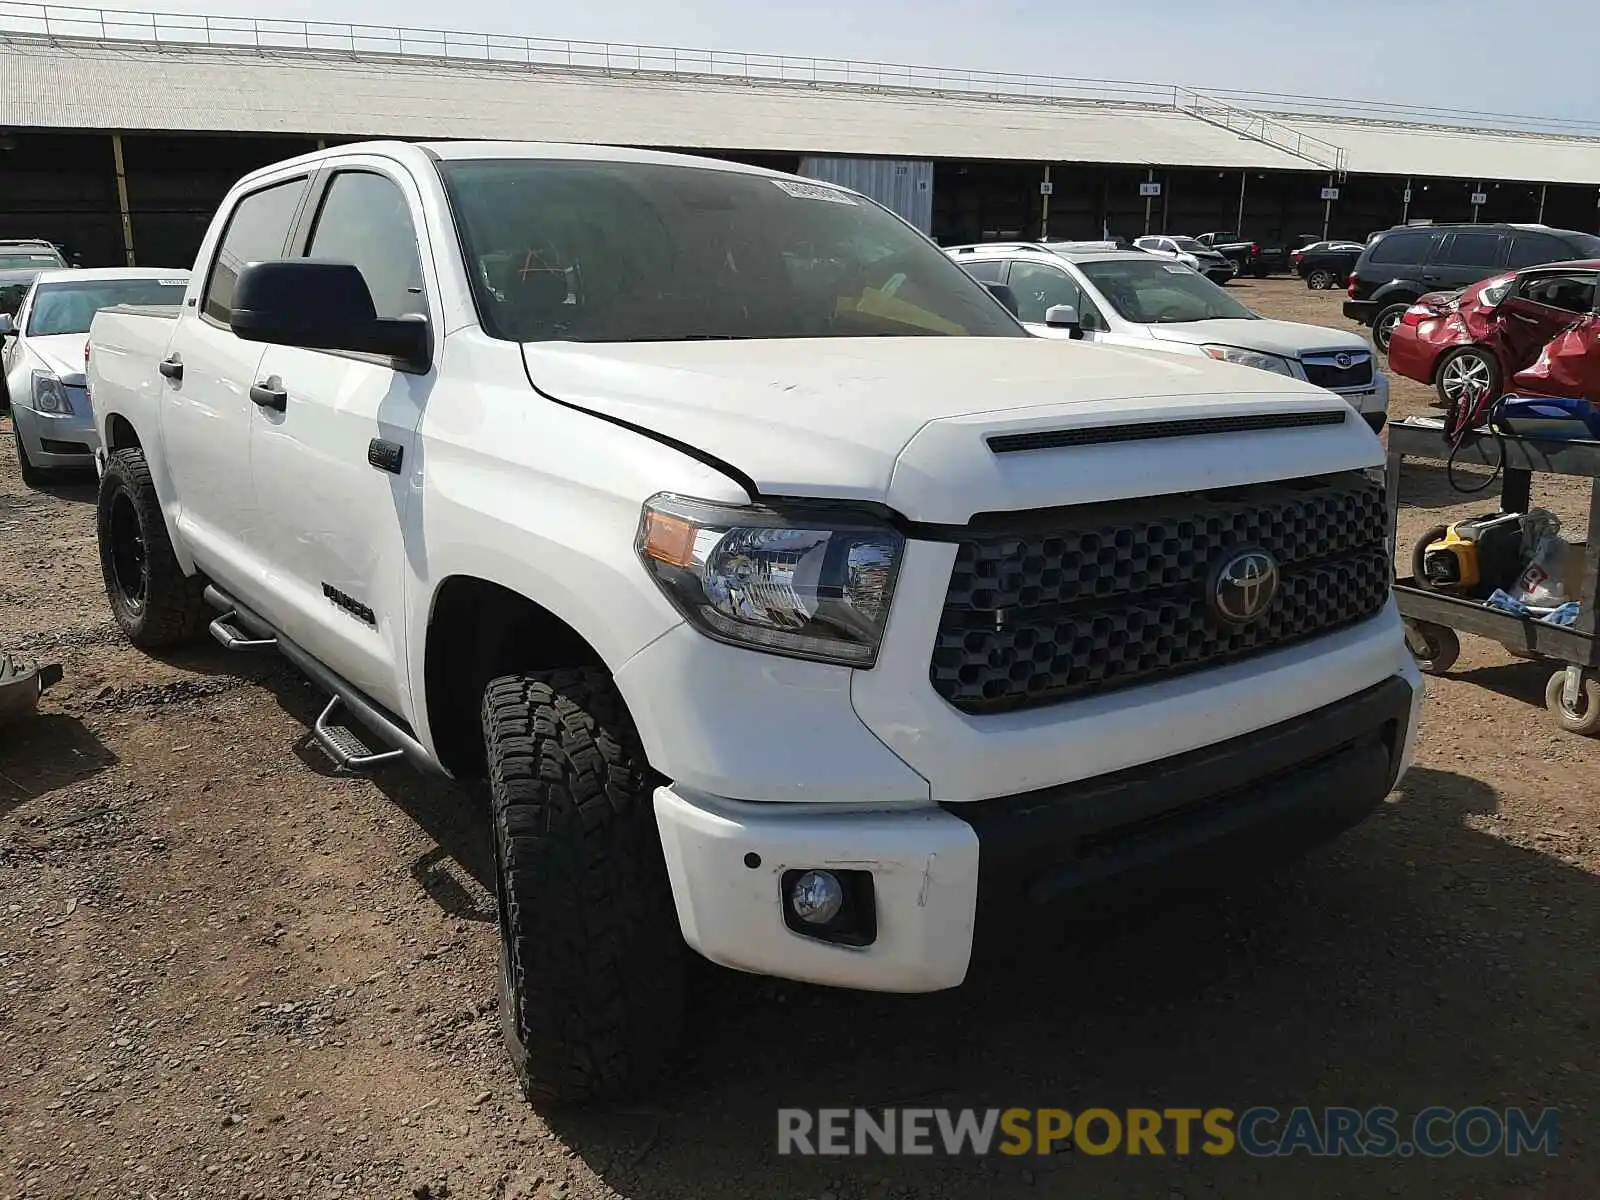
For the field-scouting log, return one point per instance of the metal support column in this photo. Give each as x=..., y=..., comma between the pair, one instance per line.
x=1045, y=188
x=1543, y=188
x=1405, y=203
x=1327, y=212
x=1150, y=177
x=1477, y=188
x=122, y=198
x=1239, y=226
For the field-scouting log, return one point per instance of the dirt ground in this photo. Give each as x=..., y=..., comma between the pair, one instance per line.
x=226, y=971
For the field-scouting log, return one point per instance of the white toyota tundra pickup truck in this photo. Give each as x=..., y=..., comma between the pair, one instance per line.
x=798, y=608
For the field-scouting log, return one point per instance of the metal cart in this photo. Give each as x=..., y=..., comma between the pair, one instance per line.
x=1432, y=618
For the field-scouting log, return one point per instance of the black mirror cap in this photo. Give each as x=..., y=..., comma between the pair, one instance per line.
x=318, y=304
x=1003, y=293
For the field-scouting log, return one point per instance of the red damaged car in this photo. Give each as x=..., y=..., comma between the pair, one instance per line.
x=1535, y=332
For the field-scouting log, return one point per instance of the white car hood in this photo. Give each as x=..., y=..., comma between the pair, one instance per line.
x=835, y=417
x=59, y=353
x=1290, y=339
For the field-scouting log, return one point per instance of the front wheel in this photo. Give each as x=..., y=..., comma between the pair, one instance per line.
x=1383, y=325
x=32, y=476
x=1582, y=717
x=592, y=962
x=155, y=604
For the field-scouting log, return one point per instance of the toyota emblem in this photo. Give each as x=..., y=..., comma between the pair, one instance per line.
x=1342, y=361
x=1242, y=586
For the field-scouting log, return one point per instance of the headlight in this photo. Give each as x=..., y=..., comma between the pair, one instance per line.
x=806, y=584
x=1251, y=358
x=48, y=394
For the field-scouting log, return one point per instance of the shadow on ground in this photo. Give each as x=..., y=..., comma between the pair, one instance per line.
x=45, y=751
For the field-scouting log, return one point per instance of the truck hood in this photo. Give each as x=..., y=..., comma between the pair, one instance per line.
x=60, y=353
x=1287, y=338
x=905, y=421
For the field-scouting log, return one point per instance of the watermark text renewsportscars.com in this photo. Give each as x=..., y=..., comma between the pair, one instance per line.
x=1261, y=1131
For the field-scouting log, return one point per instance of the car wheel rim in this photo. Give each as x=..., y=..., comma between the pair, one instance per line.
x=1386, y=327
x=1319, y=280
x=128, y=561
x=1463, y=373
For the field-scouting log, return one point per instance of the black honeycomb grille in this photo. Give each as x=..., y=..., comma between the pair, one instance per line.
x=1066, y=604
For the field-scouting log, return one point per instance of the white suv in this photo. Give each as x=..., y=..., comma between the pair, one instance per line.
x=1131, y=298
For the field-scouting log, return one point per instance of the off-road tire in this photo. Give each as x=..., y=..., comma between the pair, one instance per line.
x=592, y=961
x=32, y=476
x=171, y=608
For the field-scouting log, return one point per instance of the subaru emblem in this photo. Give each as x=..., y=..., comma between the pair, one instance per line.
x=1342, y=361
x=1242, y=586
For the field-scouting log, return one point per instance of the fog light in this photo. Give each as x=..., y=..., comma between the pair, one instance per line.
x=816, y=897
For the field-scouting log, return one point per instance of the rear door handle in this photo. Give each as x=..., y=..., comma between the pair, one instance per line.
x=171, y=367
x=269, y=393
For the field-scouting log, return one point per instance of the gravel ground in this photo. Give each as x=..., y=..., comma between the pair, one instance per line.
x=226, y=971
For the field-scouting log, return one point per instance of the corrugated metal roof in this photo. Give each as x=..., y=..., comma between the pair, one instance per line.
x=1377, y=149
x=85, y=85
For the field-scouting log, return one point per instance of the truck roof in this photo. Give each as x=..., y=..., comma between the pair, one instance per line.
x=574, y=151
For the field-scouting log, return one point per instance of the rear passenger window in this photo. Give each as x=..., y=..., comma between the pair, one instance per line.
x=256, y=231
x=1535, y=249
x=984, y=272
x=1571, y=293
x=1402, y=248
x=1470, y=250
x=365, y=220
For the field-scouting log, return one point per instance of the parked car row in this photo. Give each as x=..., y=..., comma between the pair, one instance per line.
x=1399, y=266
x=1132, y=298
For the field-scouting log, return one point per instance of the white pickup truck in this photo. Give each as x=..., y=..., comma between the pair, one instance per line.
x=798, y=607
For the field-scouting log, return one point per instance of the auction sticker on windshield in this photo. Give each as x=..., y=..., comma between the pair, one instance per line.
x=812, y=191
x=1176, y=268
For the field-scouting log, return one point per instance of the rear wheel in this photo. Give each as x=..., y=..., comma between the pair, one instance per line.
x=1582, y=717
x=1320, y=279
x=1466, y=374
x=154, y=602
x=1384, y=323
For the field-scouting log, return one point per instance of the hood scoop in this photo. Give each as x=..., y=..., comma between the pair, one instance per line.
x=1145, y=431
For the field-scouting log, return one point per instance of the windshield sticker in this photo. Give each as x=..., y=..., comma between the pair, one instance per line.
x=813, y=191
x=172, y=283
x=1176, y=268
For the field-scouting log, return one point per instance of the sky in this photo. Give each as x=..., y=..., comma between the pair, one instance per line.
x=1487, y=55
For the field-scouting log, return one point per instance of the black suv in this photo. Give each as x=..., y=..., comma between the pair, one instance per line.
x=1402, y=264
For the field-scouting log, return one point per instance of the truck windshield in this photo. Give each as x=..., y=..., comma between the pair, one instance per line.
x=1152, y=292
x=70, y=307
x=625, y=252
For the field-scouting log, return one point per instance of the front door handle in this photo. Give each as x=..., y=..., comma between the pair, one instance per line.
x=171, y=367
x=269, y=393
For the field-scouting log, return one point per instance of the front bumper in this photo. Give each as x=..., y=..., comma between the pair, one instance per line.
x=1361, y=310
x=56, y=441
x=951, y=877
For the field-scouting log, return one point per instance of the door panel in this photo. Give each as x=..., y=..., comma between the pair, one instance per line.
x=1567, y=365
x=338, y=523
x=1537, y=314
x=206, y=413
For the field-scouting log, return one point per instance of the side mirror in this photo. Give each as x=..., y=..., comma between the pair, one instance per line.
x=321, y=305
x=1064, y=316
x=1005, y=295
x=8, y=327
